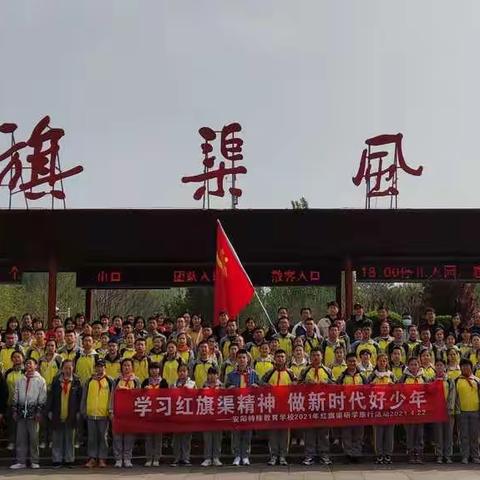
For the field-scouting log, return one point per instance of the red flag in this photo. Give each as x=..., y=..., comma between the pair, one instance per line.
x=233, y=287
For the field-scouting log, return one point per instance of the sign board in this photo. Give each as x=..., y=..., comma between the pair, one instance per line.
x=156, y=276
x=417, y=271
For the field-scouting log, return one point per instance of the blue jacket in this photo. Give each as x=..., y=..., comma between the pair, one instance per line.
x=233, y=378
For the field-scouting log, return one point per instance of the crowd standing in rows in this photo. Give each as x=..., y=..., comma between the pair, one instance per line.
x=58, y=383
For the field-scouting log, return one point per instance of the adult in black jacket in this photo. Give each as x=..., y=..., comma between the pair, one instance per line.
x=63, y=408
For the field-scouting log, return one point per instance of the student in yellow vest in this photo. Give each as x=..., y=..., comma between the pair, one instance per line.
x=352, y=437
x=264, y=361
x=104, y=339
x=367, y=343
x=299, y=360
x=95, y=407
x=453, y=363
x=213, y=349
x=413, y=374
x=182, y=442
x=339, y=365
x=158, y=349
x=26, y=339
x=242, y=377
x=212, y=441
x=396, y=365
x=444, y=431
x=412, y=340
x=6, y=352
x=384, y=338
x=285, y=339
x=70, y=350
x=399, y=343
x=37, y=351
x=195, y=331
x=468, y=405
x=383, y=434
x=183, y=349
x=11, y=377
x=465, y=343
x=85, y=363
x=112, y=360
x=311, y=339
x=316, y=439
x=426, y=363
x=365, y=365
x=297, y=364
x=123, y=442
x=474, y=353
x=97, y=330
x=450, y=340
x=439, y=345
x=231, y=336
x=140, y=360
x=50, y=364
x=253, y=348
x=229, y=364
x=170, y=363
x=63, y=407
x=278, y=376
x=425, y=343
x=329, y=345
x=153, y=442
x=200, y=367
x=128, y=350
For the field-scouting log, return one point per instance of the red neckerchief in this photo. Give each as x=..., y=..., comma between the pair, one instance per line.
x=127, y=379
x=279, y=373
x=65, y=383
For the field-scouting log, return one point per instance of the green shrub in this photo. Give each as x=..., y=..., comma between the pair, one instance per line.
x=396, y=318
x=444, y=320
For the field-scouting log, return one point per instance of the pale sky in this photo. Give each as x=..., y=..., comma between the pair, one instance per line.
x=131, y=82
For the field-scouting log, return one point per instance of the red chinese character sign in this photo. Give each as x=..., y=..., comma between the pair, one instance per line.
x=39, y=175
x=264, y=408
x=230, y=147
x=379, y=165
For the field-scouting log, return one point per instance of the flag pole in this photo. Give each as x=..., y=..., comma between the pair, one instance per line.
x=265, y=312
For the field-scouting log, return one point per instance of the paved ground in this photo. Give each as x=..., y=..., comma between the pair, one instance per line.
x=340, y=472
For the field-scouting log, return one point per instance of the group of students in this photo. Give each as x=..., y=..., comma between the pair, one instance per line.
x=57, y=385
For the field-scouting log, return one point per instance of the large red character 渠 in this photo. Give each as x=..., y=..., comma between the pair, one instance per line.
x=231, y=150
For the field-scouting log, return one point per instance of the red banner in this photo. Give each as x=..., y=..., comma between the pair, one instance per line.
x=260, y=408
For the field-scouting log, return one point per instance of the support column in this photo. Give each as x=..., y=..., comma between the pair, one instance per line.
x=52, y=290
x=338, y=292
x=348, y=289
x=88, y=304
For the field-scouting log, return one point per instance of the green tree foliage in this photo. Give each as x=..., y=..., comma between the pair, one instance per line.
x=300, y=204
